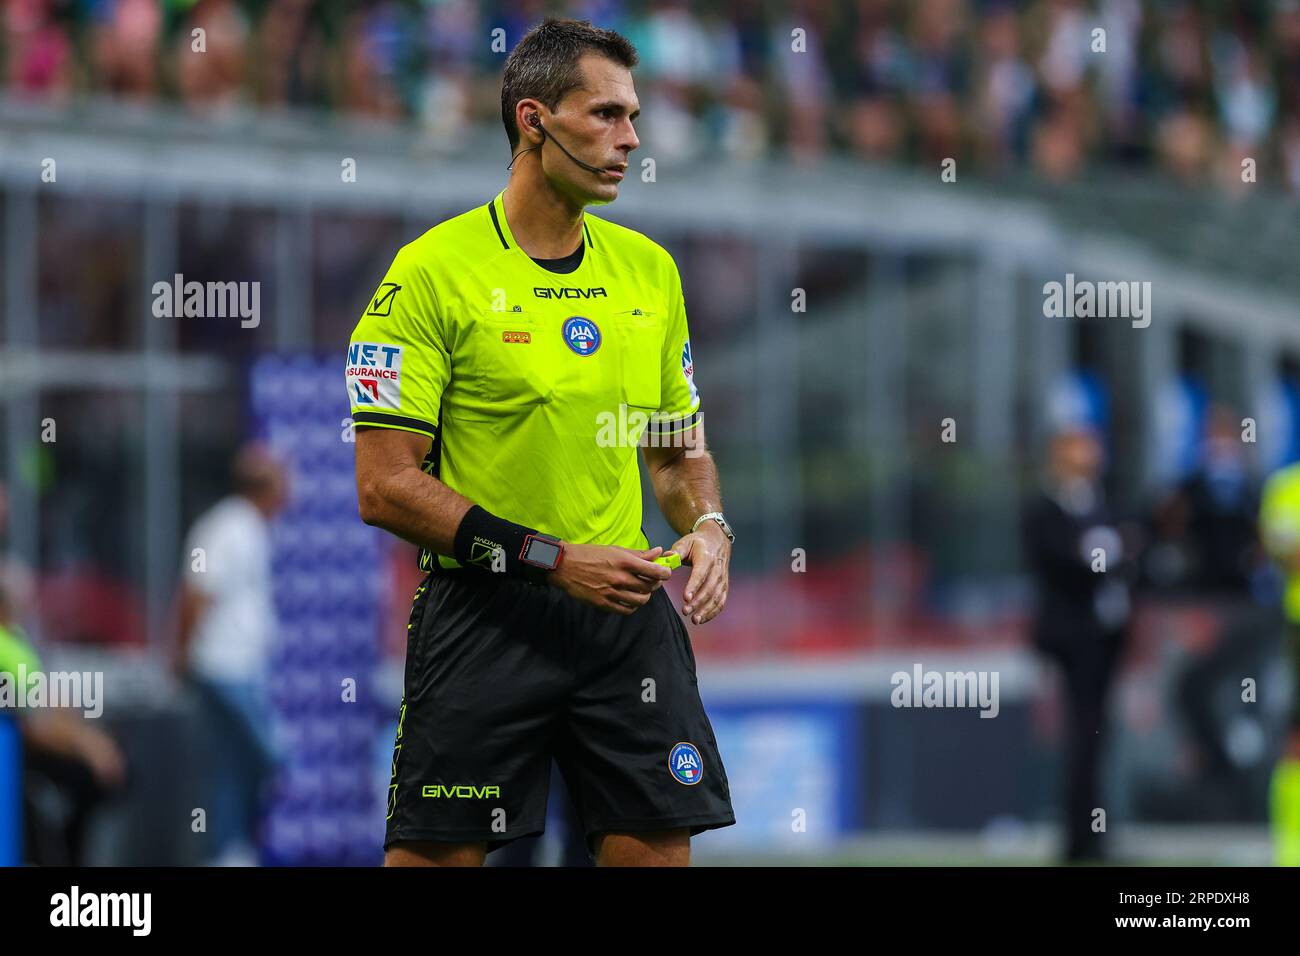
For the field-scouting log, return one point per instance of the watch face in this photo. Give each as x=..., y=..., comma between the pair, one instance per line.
x=542, y=553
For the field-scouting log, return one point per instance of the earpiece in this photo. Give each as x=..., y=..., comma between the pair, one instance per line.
x=534, y=120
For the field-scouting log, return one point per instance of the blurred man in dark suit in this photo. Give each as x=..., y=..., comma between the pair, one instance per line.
x=1076, y=556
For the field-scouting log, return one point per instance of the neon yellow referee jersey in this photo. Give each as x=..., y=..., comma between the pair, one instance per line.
x=1279, y=525
x=536, y=387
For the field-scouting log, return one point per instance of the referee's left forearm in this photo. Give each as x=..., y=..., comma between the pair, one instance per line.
x=686, y=486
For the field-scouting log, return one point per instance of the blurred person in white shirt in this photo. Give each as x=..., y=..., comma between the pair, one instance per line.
x=227, y=624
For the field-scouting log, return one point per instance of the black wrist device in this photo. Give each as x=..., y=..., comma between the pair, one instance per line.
x=494, y=544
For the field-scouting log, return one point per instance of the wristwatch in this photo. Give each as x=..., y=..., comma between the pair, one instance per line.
x=540, y=554
x=720, y=519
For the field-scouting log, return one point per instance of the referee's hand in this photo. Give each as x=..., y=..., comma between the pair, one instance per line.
x=609, y=577
x=708, y=552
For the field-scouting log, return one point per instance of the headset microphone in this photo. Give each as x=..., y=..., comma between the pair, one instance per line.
x=535, y=121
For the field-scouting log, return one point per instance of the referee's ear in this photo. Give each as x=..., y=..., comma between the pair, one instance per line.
x=528, y=120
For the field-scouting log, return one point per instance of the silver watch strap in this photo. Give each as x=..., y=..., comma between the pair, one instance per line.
x=712, y=516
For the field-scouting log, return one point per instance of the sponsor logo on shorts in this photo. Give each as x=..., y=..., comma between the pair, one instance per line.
x=685, y=764
x=458, y=792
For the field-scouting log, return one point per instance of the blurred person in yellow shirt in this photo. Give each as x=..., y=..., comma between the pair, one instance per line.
x=1279, y=521
x=61, y=751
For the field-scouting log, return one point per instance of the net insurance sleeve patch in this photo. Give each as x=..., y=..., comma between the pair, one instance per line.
x=397, y=365
x=680, y=399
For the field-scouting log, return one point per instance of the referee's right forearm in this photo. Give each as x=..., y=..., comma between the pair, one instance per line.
x=414, y=506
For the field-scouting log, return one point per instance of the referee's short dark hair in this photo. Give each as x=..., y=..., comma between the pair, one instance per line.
x=544, y=64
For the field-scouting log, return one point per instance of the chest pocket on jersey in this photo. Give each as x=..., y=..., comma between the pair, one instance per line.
x=509, y=365
x=641, y=346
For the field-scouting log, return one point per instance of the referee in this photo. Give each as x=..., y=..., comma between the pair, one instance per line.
x=501, y=379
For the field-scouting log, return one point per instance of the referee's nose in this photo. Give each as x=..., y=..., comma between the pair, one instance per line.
x=627, y=138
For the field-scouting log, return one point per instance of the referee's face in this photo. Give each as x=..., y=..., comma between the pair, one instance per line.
x=594, y=123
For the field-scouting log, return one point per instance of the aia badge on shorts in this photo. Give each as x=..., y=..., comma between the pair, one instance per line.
x=581, y=335
x=685, y=764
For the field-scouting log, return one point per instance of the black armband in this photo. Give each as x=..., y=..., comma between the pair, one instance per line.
x=485, y=541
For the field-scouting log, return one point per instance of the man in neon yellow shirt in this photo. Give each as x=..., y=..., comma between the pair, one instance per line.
x=1279, y=521
x=16, y=657
x=501, y=379
x=85, y=763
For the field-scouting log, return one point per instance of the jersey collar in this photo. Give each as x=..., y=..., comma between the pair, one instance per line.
x=497, y=213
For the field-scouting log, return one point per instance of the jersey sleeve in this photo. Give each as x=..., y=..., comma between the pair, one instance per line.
x=398, y=364
x=679, y=402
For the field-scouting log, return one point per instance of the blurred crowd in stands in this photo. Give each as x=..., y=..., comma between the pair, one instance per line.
x=1192, y=88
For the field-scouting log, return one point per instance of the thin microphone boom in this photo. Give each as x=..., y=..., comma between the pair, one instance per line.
x=589, y=168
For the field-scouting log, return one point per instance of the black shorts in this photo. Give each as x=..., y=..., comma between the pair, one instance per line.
x=503, y=676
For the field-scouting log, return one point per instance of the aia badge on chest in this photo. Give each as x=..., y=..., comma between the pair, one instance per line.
x=685, y=763
x=581, y=335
